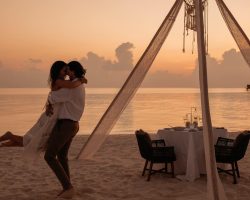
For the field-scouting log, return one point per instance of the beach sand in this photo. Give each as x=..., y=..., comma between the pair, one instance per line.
x=114, y=173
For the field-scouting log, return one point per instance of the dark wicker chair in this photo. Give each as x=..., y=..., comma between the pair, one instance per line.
x=230, y=151
x=155, y=151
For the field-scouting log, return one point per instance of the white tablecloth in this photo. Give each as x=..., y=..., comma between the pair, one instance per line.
x=189, y=149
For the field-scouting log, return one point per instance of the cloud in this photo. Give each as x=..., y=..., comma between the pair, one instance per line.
x=35, y=61
x=123, y=54
x=231, y=71
x=33, y=64
x=23, y=77
x=102, y=72
x=124, y=58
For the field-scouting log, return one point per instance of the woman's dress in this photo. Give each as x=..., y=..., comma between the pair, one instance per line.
x=35, y=140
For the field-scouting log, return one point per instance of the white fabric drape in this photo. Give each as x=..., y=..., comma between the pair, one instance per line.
x=237, y=32
x=34, y=141
x=214, y=185
x=130, y=87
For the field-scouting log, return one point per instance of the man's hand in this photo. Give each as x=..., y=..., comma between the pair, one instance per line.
x=49, y=109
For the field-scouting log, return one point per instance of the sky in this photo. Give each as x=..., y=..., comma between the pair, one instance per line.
x=109, y=37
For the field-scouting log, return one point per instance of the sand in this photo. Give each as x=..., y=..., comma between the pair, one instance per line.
x=114, y=173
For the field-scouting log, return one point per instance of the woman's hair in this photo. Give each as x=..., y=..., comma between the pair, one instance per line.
x=77, y=68
x=55, y=71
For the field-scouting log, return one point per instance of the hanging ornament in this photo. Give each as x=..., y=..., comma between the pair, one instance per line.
x=190, y=22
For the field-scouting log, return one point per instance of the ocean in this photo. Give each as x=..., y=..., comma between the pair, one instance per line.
x=151, y=108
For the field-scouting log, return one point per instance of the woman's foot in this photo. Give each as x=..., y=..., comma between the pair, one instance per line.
x=6, y=136
x=9, y=144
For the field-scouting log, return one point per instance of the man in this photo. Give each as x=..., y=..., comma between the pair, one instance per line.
x=73, y=101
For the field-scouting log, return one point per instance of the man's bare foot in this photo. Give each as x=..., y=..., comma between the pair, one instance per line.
x=67, y=194
x=6, y=136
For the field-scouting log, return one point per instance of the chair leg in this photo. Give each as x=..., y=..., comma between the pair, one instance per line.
x=172, y=169
x=166, y=167
x=150, y=170
x=234, y=175
x=145, y=167
x=237, y=169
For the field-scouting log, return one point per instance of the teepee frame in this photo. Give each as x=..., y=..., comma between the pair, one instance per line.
x=133, y=82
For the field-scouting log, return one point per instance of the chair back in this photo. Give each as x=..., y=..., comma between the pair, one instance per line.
x=241, y=144
x=145, y=144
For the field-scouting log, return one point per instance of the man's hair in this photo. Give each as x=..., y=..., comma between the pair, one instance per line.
x=77, y=68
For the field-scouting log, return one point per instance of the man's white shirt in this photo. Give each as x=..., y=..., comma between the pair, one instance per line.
x=73, y=102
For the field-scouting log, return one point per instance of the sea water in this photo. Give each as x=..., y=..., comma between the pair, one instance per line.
x=151, y=108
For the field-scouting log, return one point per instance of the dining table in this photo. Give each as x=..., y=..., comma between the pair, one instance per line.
x=189, y=149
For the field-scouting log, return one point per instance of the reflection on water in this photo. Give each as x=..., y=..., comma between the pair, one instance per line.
x=151, y=109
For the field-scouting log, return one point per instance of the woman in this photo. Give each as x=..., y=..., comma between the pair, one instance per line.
x=35, y=139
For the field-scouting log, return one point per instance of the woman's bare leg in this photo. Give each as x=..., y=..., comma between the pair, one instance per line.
x=15, y=139
x=9, y=143
x=6, y=136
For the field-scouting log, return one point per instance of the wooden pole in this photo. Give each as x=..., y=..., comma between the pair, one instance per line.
x=215, y=190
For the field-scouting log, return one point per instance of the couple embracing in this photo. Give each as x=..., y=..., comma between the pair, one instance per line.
x=56, y=127
x=70, y=106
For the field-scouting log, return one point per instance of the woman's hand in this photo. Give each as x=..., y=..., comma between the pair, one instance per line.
x=83, y=80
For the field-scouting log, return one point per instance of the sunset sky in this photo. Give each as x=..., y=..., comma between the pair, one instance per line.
x=35, y=33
